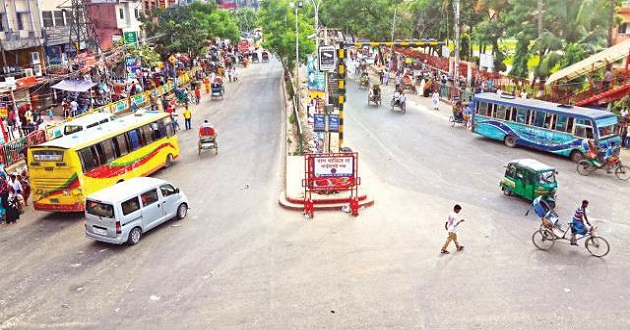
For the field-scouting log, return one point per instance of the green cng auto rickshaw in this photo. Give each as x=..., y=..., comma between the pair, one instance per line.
x=529, y=179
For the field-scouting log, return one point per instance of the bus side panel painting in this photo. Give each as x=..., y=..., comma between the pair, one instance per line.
x=527, y=136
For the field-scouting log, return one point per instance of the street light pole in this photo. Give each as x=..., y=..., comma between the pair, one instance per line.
x=457, y=18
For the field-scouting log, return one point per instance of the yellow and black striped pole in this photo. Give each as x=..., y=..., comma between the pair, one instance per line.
x=341, y=71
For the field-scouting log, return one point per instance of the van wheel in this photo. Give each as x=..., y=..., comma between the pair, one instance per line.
x=182, y=210
x=134, y=236
x=510, y=141
x=169, y=161
x=576, y=156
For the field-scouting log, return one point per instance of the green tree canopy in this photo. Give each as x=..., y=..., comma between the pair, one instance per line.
x=188, y=29
x=277, y=20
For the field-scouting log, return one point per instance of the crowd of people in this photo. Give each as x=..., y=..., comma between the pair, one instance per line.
x=14, y=193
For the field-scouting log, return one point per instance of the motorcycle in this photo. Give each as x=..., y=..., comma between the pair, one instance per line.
x=399, y=100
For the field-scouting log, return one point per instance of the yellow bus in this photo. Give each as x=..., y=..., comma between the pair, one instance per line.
x=66, y=170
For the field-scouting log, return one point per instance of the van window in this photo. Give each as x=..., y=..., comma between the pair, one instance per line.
x=130, y=205
x=99, y=209
x=167, y=190
x=149, y=197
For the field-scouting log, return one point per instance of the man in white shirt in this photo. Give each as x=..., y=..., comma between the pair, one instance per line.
x=15, y=183
x=451, y=227
x=75, y=106
x=624, y=113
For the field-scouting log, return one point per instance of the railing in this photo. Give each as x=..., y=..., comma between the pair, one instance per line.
x=141, y=99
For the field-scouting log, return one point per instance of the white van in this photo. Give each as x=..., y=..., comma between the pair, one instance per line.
x=86, y=122
x=125, y=211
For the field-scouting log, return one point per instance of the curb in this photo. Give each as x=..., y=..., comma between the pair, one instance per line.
x=364, y=201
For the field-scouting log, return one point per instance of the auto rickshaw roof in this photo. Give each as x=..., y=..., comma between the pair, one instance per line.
x=532, y=164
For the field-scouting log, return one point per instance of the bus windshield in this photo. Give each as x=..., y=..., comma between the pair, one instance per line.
x=607, y=127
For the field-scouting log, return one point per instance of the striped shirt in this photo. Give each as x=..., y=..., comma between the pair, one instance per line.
x=579, y=214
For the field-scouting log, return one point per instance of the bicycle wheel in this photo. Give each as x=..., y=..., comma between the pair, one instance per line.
x=584, y=167
x=597, y=246
x=622, y=173
x=543, y=239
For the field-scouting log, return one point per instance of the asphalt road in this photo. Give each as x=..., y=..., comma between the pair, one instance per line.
x=239, y=261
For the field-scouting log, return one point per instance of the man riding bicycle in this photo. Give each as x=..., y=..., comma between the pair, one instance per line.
x=577, y=223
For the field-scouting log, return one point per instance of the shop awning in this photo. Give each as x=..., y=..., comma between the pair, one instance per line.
x=592, y=63
x=74, y=85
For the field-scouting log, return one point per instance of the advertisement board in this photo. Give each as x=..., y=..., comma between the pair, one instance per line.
x=319, y=122
x=316, y=80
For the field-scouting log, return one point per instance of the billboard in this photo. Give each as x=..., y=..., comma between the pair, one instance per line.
x=316, y=80
x=226, y=4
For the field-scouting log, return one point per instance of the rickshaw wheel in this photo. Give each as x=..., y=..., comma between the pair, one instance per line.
x=584, y=167
x=622, y=173
x=543, y=239
x=597, y=246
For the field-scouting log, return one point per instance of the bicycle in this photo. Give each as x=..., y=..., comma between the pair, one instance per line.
x=545, y=237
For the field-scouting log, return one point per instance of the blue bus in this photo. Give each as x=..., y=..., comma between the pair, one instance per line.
x=557, y=128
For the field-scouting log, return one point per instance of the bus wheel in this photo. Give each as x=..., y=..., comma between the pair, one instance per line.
x=169, y=161
x=510, y=141
x=576, y=156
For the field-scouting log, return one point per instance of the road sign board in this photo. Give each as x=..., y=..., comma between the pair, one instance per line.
x=333, y=123
x=319, y=122
x=327, y=58
x=131, y=38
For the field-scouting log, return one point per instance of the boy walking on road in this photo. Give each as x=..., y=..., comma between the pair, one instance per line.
x=451, y=226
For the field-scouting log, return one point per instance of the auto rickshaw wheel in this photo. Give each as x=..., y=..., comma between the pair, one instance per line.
x=510, y=141
x=506, y=191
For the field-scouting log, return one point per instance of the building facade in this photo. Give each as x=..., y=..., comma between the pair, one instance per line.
x=21, y=38
x=115, y=19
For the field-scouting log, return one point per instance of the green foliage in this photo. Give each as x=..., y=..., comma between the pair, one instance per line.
x=188, y=29
x=521, y=58
x=146, y=53
x=465, y=48
x=277, y=20
x=246, y=18
x=369, y=19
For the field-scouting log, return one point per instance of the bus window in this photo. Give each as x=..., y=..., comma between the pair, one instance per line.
x=88, y=159
x=538, y=119
x=120, y=145
x=583, y=128
x=489, y=109
x=550, y=120
x=522, y=116
x=561, y=123
x=513, y=112
x=481, y=108
x=134, y=139
x=147, y=133
x=570, y=125
x=107, y=148
x=168, y=126
x=501, y=112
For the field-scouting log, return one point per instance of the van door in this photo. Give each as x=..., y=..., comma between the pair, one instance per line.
x=170, y=197
x=131, y=214
x=152, y=210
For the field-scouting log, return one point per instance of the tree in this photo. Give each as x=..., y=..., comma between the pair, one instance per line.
x=188, y=29
x=277, y=20
x=246, y=18
x=149, y=57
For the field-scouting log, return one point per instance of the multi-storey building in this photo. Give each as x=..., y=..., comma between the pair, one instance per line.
x=115, y=19
x=20, y=38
